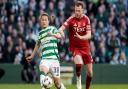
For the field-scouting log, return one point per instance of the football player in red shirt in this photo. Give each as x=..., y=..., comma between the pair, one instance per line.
x=79, y=35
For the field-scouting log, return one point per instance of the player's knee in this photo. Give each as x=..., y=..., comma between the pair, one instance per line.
x=90, y=73
x=78, y=59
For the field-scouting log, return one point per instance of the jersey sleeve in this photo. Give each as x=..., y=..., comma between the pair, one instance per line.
x=67, y=22
x=55, y=30
x=88, y=25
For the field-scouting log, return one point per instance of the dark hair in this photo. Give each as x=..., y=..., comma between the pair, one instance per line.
x=45, y=14
x=80, y=3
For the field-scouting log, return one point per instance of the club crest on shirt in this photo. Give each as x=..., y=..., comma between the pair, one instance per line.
x=75, y=25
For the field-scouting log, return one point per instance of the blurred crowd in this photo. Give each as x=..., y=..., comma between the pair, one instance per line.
x=19, y=27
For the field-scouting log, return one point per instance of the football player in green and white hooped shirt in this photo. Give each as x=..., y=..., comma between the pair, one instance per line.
x=50, y=61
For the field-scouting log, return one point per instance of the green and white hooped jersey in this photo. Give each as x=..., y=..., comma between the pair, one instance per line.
x=48, y=43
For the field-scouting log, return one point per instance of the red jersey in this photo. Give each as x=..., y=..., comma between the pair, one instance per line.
x=81, y=26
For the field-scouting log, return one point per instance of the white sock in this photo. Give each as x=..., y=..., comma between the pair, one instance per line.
x=79, y=82
x=41, y=79
x=62, y=86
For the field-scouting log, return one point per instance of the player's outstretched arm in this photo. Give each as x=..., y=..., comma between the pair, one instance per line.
x=29, y=58
x=84, y=37
x=57, y=35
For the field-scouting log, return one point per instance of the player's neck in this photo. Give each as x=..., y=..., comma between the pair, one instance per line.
x=79, y=16
x=44, y=27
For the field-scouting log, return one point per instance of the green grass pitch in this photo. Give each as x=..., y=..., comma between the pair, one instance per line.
x=37, y=86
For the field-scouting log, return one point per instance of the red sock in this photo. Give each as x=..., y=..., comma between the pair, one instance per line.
x=78, y=69
x=88, y=82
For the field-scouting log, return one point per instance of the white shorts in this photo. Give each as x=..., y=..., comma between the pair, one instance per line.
x=52, y=65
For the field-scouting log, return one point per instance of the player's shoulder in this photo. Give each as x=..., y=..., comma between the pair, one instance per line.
x=40, y=31
x=71, y=17
x=52, y=28
x=47, y=29
x=86, y=18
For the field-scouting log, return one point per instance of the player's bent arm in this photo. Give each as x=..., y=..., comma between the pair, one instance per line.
x=29, y=58
x=58, y=35
x=61, y=29
x=35, y=50
x=87, y=36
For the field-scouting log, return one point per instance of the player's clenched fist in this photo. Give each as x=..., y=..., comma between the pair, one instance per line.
x=29, y=58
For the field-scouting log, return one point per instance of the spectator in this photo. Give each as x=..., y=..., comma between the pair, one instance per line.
x=30, y=43
x=14, y=36
x=124, y=48
x=32, y=5
x=2, y=38
x=119, y=6
x=20, y=48
x=102, y=53
x=101, y=28
x=122, y=58
x=122, y=29
x=60, y=19
x=61, y=5
x=102, y=15
x=113, y=40
x=51, y=8
x=23, y=3
x=115, y=56
x=9, y=46
x=42, y=5
x=1, y=54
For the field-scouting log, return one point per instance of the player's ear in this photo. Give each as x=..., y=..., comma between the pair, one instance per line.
x=82, y=10
x=48, y=21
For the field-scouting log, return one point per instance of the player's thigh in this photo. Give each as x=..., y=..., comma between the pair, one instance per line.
x=77, y=56
x=78, y=59
x=55, y=68
x=44, y=66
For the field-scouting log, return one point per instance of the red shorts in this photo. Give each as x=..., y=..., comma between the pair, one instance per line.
x=84, y=53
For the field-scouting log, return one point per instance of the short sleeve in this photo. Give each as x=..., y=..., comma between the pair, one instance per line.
x=67, y=22
x=88, y=25
x=55, y=30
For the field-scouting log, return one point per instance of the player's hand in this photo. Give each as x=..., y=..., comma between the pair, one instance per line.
x=50, y=34
x=78, y=36
x=29, y=58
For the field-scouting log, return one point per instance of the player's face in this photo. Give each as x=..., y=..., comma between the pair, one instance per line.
x=44, y=22
x=78, y=11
